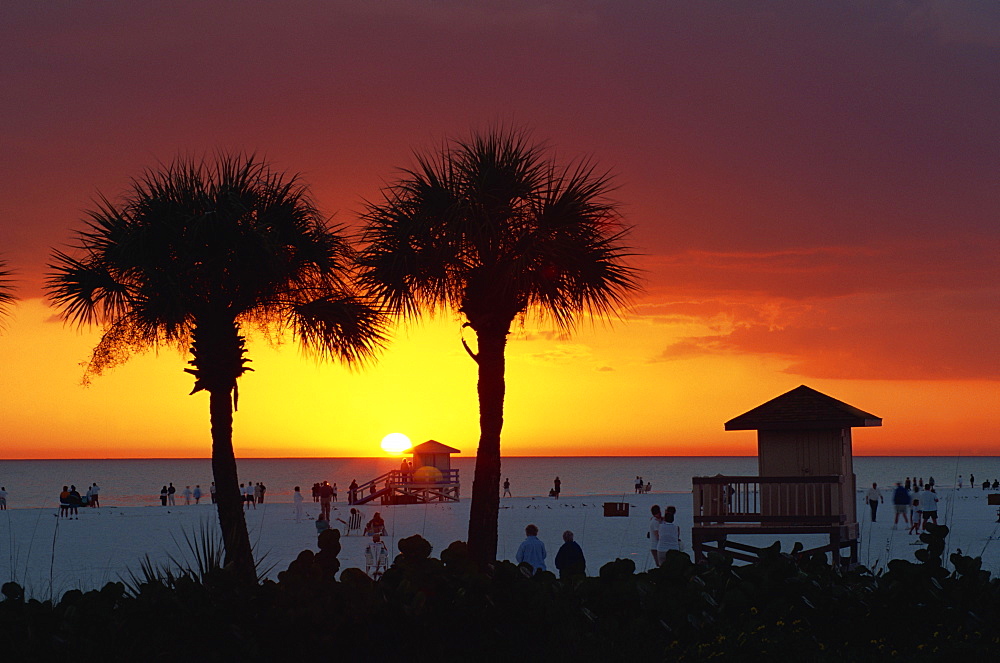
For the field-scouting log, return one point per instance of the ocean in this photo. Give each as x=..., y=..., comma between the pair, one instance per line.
x=37, y=483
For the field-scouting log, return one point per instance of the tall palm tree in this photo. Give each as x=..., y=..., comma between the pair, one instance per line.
x=194, y=252
x=492, y=228
x=7, y=297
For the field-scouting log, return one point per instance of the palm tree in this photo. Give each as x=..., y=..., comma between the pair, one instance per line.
x=194, y=252
x=7, y=297
x=492, y=228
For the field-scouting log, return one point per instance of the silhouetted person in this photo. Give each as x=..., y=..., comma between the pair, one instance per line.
x=163, y=496
x=3, y=498
x=901, y=503
x=532, y=550
x=211, y=492
x=506, y=488
x=569, y=559
x=298, y=499
x=170, y=495
x=352, y=492
x=197, y=493
x=556, y=488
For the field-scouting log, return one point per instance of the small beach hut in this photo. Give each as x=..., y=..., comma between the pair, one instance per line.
x=806, y=482
x=432, y=454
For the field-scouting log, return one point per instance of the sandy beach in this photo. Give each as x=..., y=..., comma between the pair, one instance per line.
x=49, y=555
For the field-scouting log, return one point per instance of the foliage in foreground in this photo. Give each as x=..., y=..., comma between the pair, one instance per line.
x=447, y=609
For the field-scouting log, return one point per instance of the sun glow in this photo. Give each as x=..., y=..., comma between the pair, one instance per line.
x=395, y=443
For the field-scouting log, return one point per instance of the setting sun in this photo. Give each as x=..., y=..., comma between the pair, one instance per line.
x=395, y=443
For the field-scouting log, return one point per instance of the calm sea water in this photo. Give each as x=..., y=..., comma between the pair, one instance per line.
x=36, y=483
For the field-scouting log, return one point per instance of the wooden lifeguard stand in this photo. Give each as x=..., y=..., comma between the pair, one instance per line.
x=432, y=479
x=806, y=482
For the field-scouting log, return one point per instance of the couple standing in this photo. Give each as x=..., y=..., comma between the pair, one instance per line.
x=664, y=534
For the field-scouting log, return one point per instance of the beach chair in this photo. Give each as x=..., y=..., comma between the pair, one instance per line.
x=376, y=559
x=354, y=522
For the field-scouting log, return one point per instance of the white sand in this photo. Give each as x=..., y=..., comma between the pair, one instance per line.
x=48, y=555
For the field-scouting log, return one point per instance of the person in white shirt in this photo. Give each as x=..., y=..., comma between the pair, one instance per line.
x=654, y=531
x=297, y=498
x=95, y=495
x=187, y=495
x=929, y=505
x=669, y=537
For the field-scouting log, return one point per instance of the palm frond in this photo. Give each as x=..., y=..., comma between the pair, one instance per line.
x=7, y=296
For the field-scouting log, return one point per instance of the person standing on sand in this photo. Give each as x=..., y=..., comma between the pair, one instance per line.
x=211, y=492
x=901, y=503
x=187, y=495
x=638, y=484
x=506, y=488
x=325, y=497
x=170, y=495
x=64, y=502
x=873, y=497
x=334, y=491
x=654, y=531
x=532, y=550
x=352, y=492
x=929, y=505
x=569, y=559
x=669, y=536
x=916, y=517
x=95, y=495
x=197, y=493
x=3, y=498
x=163, y=496
x=556, y=488
x=297, y=498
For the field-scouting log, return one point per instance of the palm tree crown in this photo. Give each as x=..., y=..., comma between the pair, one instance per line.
x=198, y=241
x=492, y=228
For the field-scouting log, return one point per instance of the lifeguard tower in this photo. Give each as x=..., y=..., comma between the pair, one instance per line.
x=431, y=479
x=806, y=482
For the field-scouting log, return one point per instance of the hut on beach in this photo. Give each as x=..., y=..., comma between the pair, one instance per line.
x=429, y=477
x=806, y=482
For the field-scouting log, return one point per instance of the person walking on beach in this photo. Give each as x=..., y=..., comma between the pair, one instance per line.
x=211, y=492
x=569, y=559
x=669, y=537
x=901, y=503
x=3, y=498
x=170, y=495
x=297, y=498
x=874, y=496
x=532, y=550
x=506, y=488
x=556, y=488
x=196, y=493
x=653, y=534
x=929, y=504
x=163, y=496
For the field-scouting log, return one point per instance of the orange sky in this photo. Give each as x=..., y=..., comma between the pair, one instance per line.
x=813, y=189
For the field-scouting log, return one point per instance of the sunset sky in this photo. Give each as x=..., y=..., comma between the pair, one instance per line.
x=814, y=189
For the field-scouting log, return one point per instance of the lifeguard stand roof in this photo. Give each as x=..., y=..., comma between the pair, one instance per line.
x=803, y=408
x=432, y=447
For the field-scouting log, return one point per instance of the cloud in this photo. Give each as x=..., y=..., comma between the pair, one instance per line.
x=925, y=336
x=562, y=354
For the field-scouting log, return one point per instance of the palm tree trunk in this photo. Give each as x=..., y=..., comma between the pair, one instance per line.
x=485, y=508
x=230, y=504
x=218, y=362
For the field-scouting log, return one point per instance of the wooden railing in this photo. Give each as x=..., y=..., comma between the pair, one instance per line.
x=811, y=500
x=399, y=479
